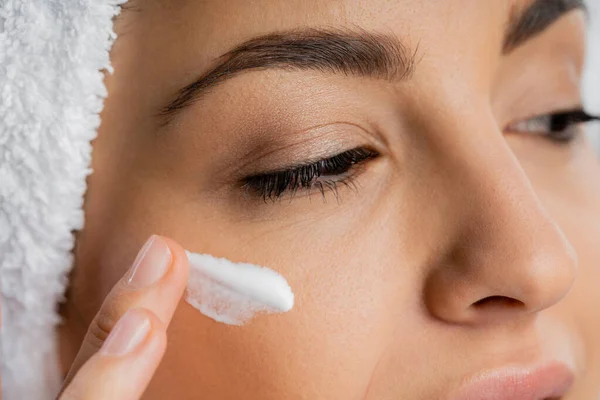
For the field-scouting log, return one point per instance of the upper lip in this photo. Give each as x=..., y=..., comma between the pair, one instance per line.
x=549, y=381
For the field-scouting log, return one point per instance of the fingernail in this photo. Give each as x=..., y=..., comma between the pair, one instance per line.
x=151, y=263
x=128, y=333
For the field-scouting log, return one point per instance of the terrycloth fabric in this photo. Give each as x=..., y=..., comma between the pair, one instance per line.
x=51, y=92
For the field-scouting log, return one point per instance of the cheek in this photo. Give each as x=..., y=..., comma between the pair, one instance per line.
x=326, y=347
x=351, y=292
x=572, y=198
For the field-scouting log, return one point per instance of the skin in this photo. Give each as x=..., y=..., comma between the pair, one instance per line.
x=127, y=339
x=389, y=278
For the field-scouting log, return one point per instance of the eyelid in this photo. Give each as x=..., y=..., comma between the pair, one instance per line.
x=327, y=173
x=560, y=127
x=312, y=161
x=558, y=111
x=315, y=144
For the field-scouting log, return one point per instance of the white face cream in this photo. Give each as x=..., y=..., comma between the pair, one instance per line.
x=232, y=293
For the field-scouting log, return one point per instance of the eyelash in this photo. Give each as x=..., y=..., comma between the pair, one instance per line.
x=336, y=169
x=557, y=127
x=272, y=185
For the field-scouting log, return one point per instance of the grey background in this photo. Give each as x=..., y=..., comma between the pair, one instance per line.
x=591, y=82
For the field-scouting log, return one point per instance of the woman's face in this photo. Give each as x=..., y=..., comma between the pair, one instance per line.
x=447, y=233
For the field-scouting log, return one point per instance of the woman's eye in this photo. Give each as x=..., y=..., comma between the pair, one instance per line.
x=559, y=127
x=322, y=175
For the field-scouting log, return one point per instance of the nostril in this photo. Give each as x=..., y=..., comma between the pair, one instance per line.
x=498, y=302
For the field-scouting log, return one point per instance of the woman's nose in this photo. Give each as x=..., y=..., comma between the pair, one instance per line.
x=509, y=258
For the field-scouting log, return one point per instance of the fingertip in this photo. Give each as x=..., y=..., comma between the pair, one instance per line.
x=122, y=372
x=148, y=344
x=156, y=325
x=180, y=260
x=128, y=334
x=156, y=340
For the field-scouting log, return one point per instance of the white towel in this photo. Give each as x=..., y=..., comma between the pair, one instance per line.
x=51, y=92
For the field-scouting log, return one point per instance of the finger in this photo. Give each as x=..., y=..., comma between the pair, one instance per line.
x=156, y=282
x=126, y=362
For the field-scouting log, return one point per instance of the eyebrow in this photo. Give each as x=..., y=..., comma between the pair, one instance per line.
x=353, y=53
x=536, y=18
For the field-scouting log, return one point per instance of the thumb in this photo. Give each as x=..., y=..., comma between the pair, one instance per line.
x=155, y=282
x=126, y=362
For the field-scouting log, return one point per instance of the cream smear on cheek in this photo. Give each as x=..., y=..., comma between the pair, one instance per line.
x=232, y=293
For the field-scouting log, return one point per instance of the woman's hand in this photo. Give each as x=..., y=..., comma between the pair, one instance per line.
x=127, y=339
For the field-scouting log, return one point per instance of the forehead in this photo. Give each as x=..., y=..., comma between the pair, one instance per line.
x=234, y=20
x=310, y=11
x=215, y=26
x=459, y=39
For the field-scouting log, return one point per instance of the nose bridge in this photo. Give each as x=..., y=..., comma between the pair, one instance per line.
x=508, y=248
x=503, y=212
